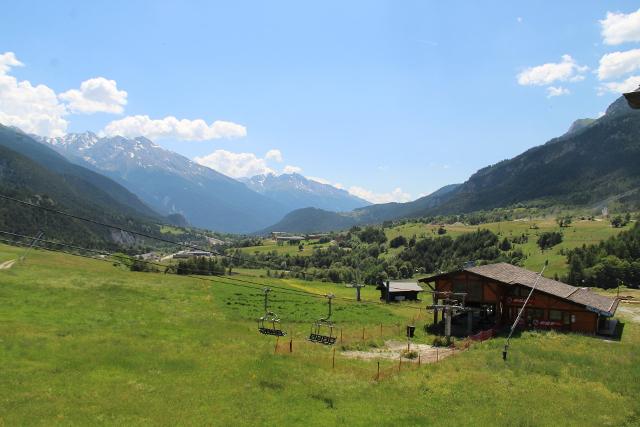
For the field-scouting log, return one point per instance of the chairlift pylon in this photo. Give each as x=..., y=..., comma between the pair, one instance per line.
x=270, y=318
x=324, y=323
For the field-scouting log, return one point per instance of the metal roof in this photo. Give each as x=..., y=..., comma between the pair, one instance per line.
x=405, y=287
x=512, y=275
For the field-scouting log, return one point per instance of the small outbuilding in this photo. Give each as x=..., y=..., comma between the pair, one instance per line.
x=399, y=291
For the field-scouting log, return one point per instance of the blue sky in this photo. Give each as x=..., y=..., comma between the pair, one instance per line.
x=389, y=99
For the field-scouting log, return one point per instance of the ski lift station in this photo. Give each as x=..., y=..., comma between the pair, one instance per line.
x=490, y=296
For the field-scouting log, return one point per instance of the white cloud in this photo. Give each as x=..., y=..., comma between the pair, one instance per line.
x=235, y=165
x=8, y=60
x=627, y=85
x=619, y=28
x=396, y=195
x=38, y=109
x=617, y=64
x=557, y=91
x=545, y=74
x=273, y=154
x=96, y=95
x=326, y=182
x=34, y=109
x=291, y=169
x=519, y=19
x=171, y=127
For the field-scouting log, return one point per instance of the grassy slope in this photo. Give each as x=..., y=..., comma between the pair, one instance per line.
x=83, y=342
x=579, y=233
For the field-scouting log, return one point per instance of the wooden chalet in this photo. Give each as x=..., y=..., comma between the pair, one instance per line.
x=399, y=291
x=493, y=294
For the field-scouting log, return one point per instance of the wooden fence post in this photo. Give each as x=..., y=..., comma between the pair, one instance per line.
x=399, y=363
x=378, y=375
x=340, y=335
x=436, y=354
x=291, y=345
x=275, y=350
x=419, y=359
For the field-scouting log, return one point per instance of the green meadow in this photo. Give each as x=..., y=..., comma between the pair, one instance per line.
x=84, y=342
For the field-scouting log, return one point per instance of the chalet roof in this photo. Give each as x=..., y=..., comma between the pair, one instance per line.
x=512, y=275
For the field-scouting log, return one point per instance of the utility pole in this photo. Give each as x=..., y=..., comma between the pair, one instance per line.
x=357, y=285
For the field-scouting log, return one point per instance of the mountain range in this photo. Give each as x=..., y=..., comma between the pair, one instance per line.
x=595, y=161
x=171, y=183
x=294, y=191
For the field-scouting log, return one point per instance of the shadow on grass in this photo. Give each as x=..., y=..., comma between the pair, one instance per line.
x=617, y=333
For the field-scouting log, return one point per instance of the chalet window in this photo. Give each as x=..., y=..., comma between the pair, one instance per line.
x=555, y=315
x=535, y=314
x=459, y=286
x=518, y=291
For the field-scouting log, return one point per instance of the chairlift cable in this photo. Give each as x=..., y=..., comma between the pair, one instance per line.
x=515, y=323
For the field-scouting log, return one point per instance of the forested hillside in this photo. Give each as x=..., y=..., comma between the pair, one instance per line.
x=43, y=177
x=610, y=263
x=591, y=164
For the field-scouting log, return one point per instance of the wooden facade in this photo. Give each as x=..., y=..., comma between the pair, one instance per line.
x=498, y=302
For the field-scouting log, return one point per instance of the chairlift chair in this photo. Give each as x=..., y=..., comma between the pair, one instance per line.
x=270, y=319
x=326, y=325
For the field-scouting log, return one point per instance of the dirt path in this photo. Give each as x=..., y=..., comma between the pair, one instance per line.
x=393, y=349
x=632, y=312
x=7, y=264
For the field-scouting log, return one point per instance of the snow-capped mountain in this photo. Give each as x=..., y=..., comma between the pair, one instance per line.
x=294, y=191
x=171, y=183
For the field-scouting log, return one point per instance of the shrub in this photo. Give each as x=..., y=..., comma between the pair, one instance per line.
x=398, y=241
x=549, y=239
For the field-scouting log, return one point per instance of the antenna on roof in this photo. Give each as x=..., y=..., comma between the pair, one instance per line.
x=515, y=324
